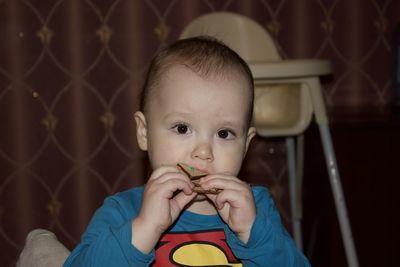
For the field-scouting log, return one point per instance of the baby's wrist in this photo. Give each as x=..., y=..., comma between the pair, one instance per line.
x=144, y=236
x=244, y=237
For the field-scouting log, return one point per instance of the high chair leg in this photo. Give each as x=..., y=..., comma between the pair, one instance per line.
x=334, y=178
x=293, y=190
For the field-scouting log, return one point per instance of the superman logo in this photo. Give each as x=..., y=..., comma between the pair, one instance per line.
x=188, y=249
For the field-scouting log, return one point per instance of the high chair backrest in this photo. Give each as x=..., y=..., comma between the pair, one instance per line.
x=280, y=108
x=242, y=34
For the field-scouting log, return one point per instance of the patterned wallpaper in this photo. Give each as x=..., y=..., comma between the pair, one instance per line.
x=70, y=75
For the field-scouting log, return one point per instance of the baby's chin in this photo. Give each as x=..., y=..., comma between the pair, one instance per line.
x=202, y=205
x=200, y=197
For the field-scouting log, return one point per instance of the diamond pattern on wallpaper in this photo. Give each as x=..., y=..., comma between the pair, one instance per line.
x=70, y=76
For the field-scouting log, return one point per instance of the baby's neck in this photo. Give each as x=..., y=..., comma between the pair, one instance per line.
x=202, y=207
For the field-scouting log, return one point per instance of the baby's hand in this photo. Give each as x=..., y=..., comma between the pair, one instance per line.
x=235, y=203
x=165, y=195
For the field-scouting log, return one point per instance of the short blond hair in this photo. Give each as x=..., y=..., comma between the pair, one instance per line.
x=204, y=55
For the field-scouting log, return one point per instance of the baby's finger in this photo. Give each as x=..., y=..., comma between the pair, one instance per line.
x=157, y=173
x=228, y=196
x=212, y=198
x=223, y=182
x=172, y=175
x=175, y=184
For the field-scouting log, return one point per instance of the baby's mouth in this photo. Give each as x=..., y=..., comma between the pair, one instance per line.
x=191, y=172
x=194, y=175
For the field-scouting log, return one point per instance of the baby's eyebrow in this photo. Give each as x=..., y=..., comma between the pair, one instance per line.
x=176, y=115
x=233, y=125
x=229, y=124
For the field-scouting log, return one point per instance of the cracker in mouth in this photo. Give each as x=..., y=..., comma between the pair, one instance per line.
x=194, y=175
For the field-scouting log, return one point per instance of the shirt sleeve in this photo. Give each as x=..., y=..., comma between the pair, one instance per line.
x=269, y=243
x=107, y=239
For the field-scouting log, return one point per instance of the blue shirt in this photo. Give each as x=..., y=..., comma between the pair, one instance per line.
x=193, y=240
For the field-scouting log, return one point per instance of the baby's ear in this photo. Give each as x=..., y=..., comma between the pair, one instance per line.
x=250, y=134
x=141, y=130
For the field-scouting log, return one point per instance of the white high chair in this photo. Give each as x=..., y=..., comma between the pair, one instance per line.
x=288, y=93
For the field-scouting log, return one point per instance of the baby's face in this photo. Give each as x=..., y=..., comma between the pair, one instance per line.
x=198, y=121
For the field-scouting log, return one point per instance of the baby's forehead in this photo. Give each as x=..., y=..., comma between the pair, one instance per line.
x=180, y=87
x=181, y=82
x=226, y=75
x=229, y=84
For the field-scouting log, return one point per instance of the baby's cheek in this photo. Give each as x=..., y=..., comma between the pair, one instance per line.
x=231, y=164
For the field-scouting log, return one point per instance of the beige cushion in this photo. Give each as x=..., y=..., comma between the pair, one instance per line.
x=42, y=249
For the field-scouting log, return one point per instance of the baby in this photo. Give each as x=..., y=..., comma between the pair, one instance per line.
x=196, y=110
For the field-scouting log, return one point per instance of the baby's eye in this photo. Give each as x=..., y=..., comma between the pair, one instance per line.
x=181, y=128
x=226, y=134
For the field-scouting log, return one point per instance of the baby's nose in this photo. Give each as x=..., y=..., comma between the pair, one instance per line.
x=203, y=151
